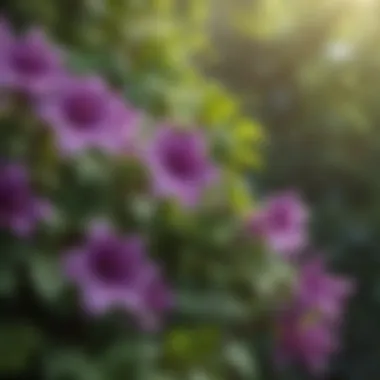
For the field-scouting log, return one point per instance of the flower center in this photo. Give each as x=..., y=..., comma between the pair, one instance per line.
x=279, y=218
x=28, y=60
x=84, y=109
x=309, y=319
x=110, y=263
x=181, y=159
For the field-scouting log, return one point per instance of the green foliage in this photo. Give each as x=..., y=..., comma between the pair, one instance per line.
x=147, y=49
x=19, y=343
x=223, y=278
x=150, y=48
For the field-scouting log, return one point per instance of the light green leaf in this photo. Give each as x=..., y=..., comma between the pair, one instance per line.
x=46, y=276
x=239, y=357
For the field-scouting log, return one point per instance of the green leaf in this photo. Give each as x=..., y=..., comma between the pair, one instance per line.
x=17, y=345
x=272, y=278
x=46, y=276
x=200, y=375
x=82, y=62
x=8, y=280
x=214, y=307
x=136, y=356
x=143, y=208
x=185, y=348
x=71, y=365
x=241, y=360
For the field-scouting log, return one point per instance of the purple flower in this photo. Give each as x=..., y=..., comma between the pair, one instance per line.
x=6, y=34
x=158, y=300
x=20, y=210
x=305, y=339
x=179, y=164
x=114, y=272
x=28, y=63
x=282, y=222
x=85, y=114
x=321, y=290
x=308, y=329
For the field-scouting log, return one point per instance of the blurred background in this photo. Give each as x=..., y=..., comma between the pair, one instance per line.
x=306, y=75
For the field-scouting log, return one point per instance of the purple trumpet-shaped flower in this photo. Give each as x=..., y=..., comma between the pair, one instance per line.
x=20, y=209
x=179, y=164
x=282, y=222
x=84, y=113
x=304, y=338
x=111, y=271
x=323, y=291
x=28, y=63
x=308, y=329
